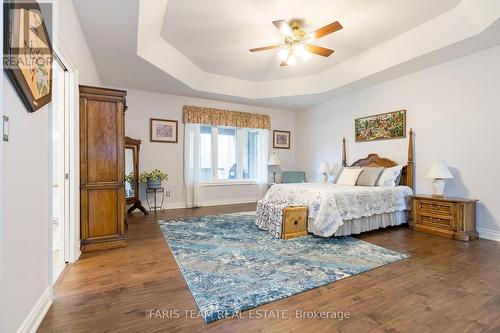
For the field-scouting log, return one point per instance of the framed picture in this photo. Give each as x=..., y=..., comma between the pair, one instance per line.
x=281, y=139
x=28, y=52
x=163, y=130
x=390, y=125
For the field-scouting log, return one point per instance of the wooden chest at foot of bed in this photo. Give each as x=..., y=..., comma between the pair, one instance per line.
x=294, y=222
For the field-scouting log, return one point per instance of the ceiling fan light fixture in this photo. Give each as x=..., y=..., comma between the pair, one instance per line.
x=283, y=54
x=306, y=56
x=297, y=43
x=292, y=60
x=299, y=51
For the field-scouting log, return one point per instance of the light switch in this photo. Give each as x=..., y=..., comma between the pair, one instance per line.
x=5, y=128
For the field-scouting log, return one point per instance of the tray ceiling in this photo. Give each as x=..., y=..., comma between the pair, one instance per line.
x=216, y=35
x=200, y=48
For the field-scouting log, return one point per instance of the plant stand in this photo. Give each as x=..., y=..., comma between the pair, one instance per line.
x=151, y=194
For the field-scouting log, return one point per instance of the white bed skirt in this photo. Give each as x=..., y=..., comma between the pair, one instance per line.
x=362, y=224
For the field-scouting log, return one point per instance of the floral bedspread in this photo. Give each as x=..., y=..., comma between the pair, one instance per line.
x=331, y=204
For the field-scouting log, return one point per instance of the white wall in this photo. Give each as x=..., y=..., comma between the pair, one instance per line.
x=25, y=161
x=71, y=40
x=144, y=105
x=453, y=109
x=26, y=170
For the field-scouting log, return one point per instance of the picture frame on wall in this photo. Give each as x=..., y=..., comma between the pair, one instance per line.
x=28, y=52
x=281, y=139
x=383, y=126
x=164, y=130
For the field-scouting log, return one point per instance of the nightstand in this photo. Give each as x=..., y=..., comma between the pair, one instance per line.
x=447, y=217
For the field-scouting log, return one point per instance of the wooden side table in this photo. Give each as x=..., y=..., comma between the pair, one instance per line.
x=447, y=217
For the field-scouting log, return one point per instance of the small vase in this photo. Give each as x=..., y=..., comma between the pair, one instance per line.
x=153, y=183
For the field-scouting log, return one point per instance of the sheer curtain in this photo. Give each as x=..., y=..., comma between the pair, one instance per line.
x=192, y=191
x=262, y=157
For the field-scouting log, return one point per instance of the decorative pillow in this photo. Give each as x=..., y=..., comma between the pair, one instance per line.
x=389, y=176
x=335, y=180
x=349, y=176
x=369, y=176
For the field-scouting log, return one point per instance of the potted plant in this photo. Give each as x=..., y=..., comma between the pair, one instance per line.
x=153, y=178
x=129, y=178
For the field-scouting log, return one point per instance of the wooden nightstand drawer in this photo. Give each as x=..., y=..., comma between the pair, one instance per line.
x=435, y=221
x=436, y=207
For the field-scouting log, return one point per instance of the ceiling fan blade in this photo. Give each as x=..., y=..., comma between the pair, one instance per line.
x=326, y=30
x=264, y=48
x=322, y=51
x=284, y=28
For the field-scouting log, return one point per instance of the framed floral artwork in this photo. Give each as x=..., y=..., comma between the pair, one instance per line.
x=281, y=139
x=28, y=53
x=163, y=130
x=390, y=125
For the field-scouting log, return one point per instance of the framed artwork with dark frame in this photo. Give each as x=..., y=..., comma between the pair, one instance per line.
x=383, y=126
x=28, y=51
x=281, y=139
x=163, y=130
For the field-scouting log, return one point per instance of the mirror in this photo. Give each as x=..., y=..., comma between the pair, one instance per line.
x=129, y=172
x=132, y=147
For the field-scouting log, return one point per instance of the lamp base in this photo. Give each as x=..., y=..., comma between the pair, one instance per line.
x=438, y=188
x=325, y=178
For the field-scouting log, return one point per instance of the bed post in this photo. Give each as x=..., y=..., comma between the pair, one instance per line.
x=410, y=164
x=344, y=161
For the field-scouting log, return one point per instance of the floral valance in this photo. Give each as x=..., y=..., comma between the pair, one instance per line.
x=219, y=117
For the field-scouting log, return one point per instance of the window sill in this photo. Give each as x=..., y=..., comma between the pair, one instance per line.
x=229, y=183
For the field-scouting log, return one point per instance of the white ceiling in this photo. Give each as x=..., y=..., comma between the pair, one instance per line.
x=216, y=35
x=176, y=46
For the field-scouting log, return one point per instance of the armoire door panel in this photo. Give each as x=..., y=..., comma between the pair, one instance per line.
x=103, y=214
x=102, y=145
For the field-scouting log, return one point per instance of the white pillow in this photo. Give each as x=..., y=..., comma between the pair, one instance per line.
x=349, y=176
x=336, y=179
x=389, y=176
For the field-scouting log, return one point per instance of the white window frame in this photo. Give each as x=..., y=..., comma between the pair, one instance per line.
x=216, y=181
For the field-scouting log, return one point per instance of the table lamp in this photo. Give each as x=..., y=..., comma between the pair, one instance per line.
x=274, y=161
x=324, y=168
x=439, y=172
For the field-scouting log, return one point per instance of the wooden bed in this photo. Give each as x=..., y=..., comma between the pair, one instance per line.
x=377, y=161
x=359, y=208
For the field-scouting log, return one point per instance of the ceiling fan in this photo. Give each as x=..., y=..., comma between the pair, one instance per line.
x=298, y=43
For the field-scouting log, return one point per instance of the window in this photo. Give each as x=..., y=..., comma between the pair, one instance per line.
x=205, y=153
x=228, y=153
x=227, y=164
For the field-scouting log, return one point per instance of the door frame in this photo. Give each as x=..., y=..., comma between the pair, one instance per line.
x=59, y=120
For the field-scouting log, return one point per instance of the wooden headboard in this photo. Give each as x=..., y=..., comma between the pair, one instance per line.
x=377, y=161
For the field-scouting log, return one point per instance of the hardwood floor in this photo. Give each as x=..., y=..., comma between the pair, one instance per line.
x=445, y=286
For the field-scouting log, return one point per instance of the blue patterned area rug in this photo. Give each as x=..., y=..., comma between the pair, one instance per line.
x=231, y=266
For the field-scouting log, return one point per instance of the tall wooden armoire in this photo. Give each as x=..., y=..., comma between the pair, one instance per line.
x=102, y=194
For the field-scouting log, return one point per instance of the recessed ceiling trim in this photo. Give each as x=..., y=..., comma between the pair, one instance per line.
x=466, y=20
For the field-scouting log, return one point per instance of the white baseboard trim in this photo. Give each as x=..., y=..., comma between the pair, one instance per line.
x=174, y=205
x=489, y=234
x=37, y=313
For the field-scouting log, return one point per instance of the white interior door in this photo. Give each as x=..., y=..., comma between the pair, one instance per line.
x=60, y=165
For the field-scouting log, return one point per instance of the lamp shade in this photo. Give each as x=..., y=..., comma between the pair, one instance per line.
x=274, y=160
x=439, y=169
x=324, y=167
